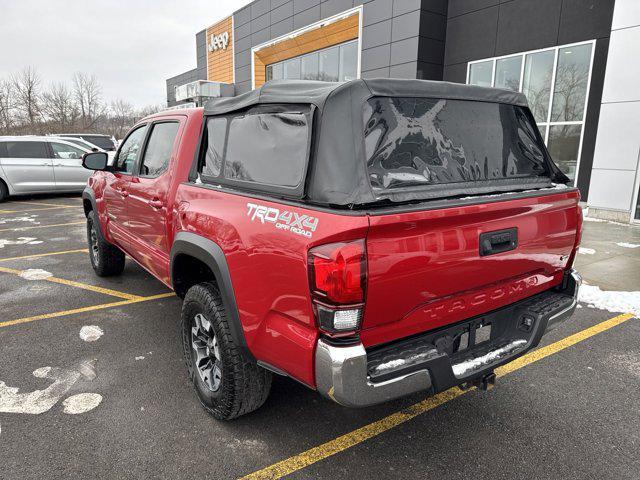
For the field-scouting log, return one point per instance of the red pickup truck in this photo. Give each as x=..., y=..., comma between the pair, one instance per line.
x=368, y=239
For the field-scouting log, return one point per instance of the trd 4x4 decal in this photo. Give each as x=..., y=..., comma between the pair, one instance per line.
x=291, y=221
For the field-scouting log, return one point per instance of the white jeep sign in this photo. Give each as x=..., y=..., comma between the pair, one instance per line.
x=219, y=42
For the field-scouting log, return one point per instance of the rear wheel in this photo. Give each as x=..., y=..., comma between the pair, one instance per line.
x=106, y=259
x=227, y=383
x=4, y=191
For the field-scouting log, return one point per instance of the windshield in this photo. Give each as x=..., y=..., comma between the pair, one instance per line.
x=412, y=142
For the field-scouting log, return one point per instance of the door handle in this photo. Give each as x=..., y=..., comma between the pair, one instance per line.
x=156, y=203
x=124, y=193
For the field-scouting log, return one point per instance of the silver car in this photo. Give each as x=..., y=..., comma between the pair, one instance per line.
x=32, y=164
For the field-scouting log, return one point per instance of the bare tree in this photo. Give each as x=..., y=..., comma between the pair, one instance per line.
x=6, y=107
x=121, y=117
x=88, y=96
x=59, y=108
x=26, y=85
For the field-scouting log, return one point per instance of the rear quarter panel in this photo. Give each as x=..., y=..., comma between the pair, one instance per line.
x=268, y=268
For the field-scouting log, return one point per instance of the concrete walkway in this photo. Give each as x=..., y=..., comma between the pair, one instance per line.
x=605, y=263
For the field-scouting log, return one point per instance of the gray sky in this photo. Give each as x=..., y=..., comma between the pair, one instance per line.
x=131, y=46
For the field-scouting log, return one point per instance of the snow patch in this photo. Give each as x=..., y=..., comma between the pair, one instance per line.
x=40, y=401
x=81, y=403
x=627, y=245
x=460, y=369
x=35, y=274
x=612, y=301
x=403, y=361
x=19, y=241
x=26, y=218
x=90, y=333
x=586, y=251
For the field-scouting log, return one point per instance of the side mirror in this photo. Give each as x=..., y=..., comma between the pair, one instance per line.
x=95, y=160
x=94, y=149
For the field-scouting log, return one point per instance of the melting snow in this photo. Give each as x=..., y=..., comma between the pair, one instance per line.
x=35, y=274
x=615, y=302
x=586, y=251
x=20, y=241
x=27, y=218
x=402, y=361
x=90, y=333
x=460, y=369
x=81, y=403
x=627, y=245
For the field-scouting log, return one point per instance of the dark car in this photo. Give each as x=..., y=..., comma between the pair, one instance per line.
x=105, y=142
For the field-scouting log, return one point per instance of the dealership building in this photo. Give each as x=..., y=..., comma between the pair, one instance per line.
x=575, y=60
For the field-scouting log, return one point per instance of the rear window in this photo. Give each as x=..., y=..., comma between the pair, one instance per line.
x=258, y=150
x=410, y=142
x=103, y=142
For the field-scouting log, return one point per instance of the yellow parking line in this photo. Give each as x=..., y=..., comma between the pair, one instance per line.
x=36, y=255
x=337, y=445
x=37, y=203
x=84, y=286
x=83, y=309
x=19, y=229
x=28, y=210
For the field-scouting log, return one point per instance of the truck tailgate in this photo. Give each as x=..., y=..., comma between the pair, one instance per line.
x=425, y=268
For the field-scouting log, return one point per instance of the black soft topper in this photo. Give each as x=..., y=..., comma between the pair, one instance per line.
x=395, y=140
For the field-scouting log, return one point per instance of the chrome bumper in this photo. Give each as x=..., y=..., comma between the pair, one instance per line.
x=342, y=373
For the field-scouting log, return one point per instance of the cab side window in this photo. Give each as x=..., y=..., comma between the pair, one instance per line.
x=62, y=150
x=159, y=148
x=128, y=153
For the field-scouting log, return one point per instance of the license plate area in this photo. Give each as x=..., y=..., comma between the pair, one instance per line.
x=474, y=335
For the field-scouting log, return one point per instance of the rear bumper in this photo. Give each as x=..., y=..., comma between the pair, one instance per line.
x=434, y=361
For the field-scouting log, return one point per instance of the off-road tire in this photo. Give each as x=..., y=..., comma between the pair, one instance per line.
x=4, y=191
x=106, y=259
x=245, y=386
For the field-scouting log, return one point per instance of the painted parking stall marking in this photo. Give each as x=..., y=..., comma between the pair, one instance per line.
x=348, y=440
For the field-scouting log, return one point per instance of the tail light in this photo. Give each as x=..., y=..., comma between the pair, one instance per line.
x=576, y=246
x=337, y=277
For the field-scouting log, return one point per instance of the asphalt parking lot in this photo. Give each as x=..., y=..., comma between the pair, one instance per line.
x=121, y=406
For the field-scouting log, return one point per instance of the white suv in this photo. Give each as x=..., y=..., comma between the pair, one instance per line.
x=39, y=164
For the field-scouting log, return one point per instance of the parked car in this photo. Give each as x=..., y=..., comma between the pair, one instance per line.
x=369, y=239
x=105, y=142
x=88, y=145
x=80, y=142
x=33, y=164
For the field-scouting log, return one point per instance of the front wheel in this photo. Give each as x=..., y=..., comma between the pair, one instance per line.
x=106, y=259
x=227, y=383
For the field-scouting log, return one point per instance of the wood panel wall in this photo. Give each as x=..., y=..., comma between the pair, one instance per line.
x=220, y=62
x=318, y=38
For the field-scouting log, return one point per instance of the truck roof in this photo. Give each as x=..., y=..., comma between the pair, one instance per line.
x=319, y=93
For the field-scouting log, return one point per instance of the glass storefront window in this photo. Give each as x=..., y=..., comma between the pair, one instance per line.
x=292, y=69
x=310, y=66
x=333, y=64
x=275, y=72
x=480, y=73
x=349, y=61
x=555, y=82
x=536, y=83
x=564, y=145
x=572, y=75
x=329, y=65
x=508, y=73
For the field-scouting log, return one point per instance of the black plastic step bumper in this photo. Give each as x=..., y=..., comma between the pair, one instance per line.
x=463, y=353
